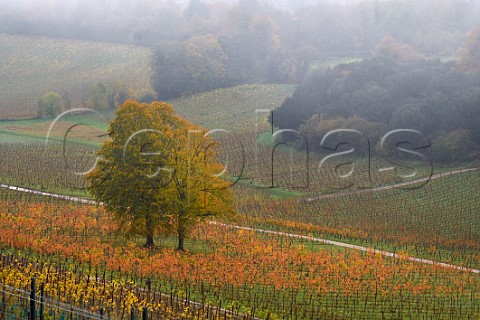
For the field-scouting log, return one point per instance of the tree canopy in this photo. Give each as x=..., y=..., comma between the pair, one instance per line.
x=49, y=105
x=182, y=68
x=98, y=100
x=158, y=173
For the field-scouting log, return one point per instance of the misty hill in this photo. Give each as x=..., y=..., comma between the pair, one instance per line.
x=298, y=32
x=381, y=94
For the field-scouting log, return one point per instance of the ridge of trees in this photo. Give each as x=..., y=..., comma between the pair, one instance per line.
x=385, y=93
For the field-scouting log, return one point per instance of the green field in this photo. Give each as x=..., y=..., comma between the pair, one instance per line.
x=233, y=109
x=32, y=66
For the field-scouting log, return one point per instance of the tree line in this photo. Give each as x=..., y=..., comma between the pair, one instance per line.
x=101, y=97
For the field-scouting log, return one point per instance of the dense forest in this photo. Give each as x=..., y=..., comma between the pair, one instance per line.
x=397, y=88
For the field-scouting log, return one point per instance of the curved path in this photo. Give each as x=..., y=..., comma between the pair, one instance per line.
x=350, y=246
x=48, y=194
x=299, y=236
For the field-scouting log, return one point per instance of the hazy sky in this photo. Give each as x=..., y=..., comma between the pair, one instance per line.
x=71, y=4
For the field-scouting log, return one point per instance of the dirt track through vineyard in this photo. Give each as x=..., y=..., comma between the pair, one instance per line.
x=299, y=236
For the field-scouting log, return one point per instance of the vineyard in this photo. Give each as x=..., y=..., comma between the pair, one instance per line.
x=32, y=66
x=76, y=252
x=438, y=221
x=85, y=262
x=233, y=109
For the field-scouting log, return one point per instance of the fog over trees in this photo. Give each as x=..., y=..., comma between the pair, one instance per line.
x=410, y=62
x=320, y=28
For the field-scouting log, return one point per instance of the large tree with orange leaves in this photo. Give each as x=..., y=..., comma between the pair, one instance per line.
x=159, y=173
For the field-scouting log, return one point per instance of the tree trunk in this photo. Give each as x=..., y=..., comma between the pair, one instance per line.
x=150, y=242
x=150, y=231
x=181, y=238
x=181, y=246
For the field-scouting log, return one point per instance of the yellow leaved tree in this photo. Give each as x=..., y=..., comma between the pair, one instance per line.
x=159, y=173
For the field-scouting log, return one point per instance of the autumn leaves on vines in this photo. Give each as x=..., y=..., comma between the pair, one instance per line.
x=159, y=173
